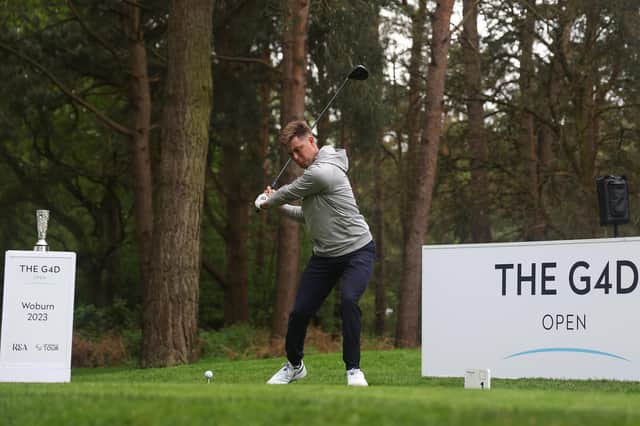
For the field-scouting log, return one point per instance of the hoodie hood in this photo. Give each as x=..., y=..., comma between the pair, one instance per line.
x=336, y=157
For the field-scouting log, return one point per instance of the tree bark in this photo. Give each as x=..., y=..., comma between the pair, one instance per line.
x=480, y=225
x=293, y=93
x=140, y=99
x=588, y=111
x=236, y=306
x=170, y=323
x=422, y=193
x=534, y=224
x=261, y=233
x=379, y=230
x=416, y=103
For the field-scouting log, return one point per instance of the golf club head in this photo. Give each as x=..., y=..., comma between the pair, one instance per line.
x=360, y=72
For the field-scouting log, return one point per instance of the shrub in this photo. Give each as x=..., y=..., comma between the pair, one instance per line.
x=96, y=321
x=233, y=342
x=246, y=342
x=105, y=336
x=107, y=351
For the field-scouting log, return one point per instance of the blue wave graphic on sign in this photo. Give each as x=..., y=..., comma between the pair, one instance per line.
x=581, y=350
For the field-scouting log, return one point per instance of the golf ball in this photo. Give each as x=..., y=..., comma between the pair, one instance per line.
x=208, y=374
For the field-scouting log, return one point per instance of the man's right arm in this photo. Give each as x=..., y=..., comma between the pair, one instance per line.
x=293, y=212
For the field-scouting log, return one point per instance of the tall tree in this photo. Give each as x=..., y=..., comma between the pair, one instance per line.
x=293, y=96
x=380, y=271
x=416, y=105
x=534, y=229
x=242, y=33
x=140, y=100
x=170, y=313
x=588, y=54
x=426, y=166
x=472, y=63
x=83, y=84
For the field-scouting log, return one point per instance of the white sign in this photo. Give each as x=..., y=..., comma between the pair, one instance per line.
x=555, y=309
x=37, y=316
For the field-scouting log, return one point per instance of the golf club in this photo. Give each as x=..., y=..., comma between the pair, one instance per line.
x=360, y=72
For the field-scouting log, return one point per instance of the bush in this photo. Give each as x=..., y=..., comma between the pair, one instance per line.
x=95, y=321
x=107, y=351
x=246, y=342
x=105, y=336
x=233, y=342
x=110, y=336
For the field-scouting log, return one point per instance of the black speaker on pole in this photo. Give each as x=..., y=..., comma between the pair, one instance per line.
x=613, y=199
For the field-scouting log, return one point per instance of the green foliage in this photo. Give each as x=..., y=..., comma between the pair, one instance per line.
x=342, y=35
x=56, y=154
x=106, y=336
x=94, y=321
x=234, y=342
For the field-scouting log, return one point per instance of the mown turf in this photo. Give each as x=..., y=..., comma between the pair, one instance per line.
x=238, y=396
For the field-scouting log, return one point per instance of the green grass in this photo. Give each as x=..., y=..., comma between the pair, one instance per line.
x=238, y=396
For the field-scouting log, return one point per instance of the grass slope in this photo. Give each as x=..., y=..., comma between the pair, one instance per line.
x=238, y=396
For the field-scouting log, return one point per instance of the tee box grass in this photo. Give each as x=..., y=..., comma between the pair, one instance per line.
x=238, y=395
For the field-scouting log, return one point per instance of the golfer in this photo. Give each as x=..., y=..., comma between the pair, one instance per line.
x=343, y=249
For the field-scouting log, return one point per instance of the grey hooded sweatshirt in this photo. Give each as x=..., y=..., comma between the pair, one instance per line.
x=329, y=208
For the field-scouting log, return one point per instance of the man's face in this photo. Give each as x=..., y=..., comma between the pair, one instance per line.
x=303, y=150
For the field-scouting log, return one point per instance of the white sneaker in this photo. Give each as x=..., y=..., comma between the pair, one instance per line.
x=288, y=374
x=355, y=377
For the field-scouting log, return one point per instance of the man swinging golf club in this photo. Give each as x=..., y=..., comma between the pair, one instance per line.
x=343, y=249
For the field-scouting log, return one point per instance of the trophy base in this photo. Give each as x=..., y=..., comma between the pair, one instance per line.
x=41, y=246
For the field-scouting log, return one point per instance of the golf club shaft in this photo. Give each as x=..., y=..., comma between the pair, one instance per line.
x=275, y=181
x=329, y=103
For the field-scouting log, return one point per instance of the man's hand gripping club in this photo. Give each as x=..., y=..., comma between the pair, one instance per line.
x=262, y=199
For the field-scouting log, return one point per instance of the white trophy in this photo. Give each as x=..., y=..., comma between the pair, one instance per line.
x=42, y=221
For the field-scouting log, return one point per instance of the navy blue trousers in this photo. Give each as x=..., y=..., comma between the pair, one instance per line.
x=320, y=276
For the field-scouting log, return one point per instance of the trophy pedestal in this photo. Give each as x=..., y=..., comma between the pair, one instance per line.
x=37, y=316
x=41, y=245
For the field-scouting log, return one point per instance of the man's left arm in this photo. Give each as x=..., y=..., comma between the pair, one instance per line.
x=311, y=182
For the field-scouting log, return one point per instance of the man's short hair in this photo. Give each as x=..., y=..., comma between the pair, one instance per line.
x=298, y=128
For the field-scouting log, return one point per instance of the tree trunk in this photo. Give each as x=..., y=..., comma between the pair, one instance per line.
x=422, y=192
x=534, y=223
x=140, y=98
x=236, y=304
x=112, y=233
x=416, y=103
x=480, y=227
x=379, y=229
x=293, y=91
x=261, y=235
x=171, y=304
x=588, y=105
